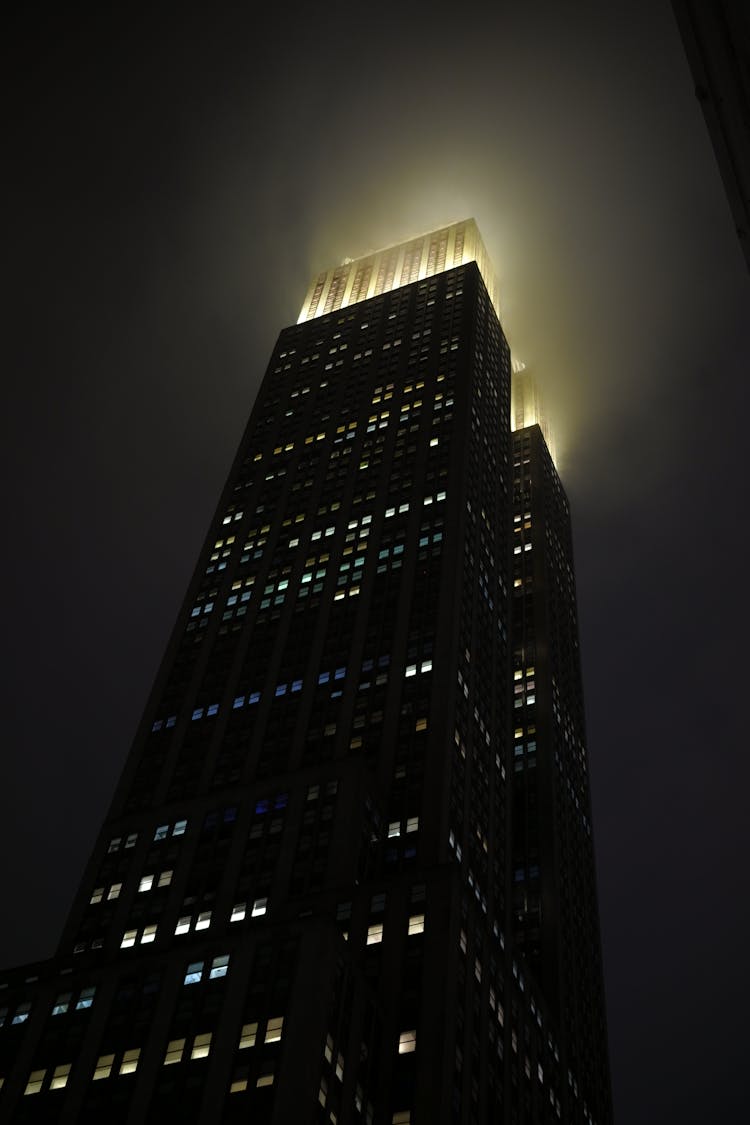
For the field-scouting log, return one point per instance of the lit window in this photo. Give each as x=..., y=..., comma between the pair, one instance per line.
x=161, y=832
x=375, y=934
x=179, y=828
x=175, y=1047
x=128, y=939
x=103, y=1067
x=86, y=999
x=22, y=1013
x=238, y=912
x=265, y=1079
x=165, y=878
x=259, y=907
x=34, y=1084
x=201, y=1046
x=60, y=1077
x=248, y=1035
x=219, y=966
x=412, y=824
x=401, y=1117
x=114, y=890
x=149, y=935
x=274, y=1028
x=97, y=896
x=183, y=925
x=146, y=883
x=204, y=920
x=194, y=973
x=114, y=845
x=129, y=1063
x=62, y=1004
x=416, y=924
x=394, y=829
x=407, y=1042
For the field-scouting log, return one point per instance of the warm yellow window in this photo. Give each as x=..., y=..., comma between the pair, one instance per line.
x=416, y=924
x=129, y=1062
x=375, y=934
x=34, y=1084
x=103, y=1067
x=248, y=1035
x=201, y=1046
x=60, y=1077
x=175, y=1047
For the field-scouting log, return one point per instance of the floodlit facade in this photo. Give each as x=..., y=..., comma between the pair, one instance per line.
x=347, y=875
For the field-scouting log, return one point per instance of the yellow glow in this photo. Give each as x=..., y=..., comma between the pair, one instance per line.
x=526, y=405
x=394, y=266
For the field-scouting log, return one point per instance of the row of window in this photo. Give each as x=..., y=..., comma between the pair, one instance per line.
x=376, y=931
x=188, y=922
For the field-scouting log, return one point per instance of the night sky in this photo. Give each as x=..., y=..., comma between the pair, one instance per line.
x=174, y=183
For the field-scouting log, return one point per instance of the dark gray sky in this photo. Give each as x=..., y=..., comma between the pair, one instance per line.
x=173, y=186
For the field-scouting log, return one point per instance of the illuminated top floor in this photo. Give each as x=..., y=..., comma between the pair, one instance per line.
x=424, y=256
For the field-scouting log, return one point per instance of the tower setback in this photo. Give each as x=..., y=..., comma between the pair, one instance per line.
x=347, y=874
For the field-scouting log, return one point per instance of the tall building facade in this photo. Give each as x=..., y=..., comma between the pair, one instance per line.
x=347, y=874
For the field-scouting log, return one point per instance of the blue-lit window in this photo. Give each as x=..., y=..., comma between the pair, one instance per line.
x=219, y=967
x=194, y=973
x=86, y=999
x=61, y=1004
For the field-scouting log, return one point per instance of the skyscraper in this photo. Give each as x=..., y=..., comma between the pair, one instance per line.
x=347, y=874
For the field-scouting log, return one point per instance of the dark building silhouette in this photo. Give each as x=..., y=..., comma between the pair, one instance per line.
x=347, y=875
x=716, y=38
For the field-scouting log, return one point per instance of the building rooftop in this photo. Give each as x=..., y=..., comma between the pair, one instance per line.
x=425, y=255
